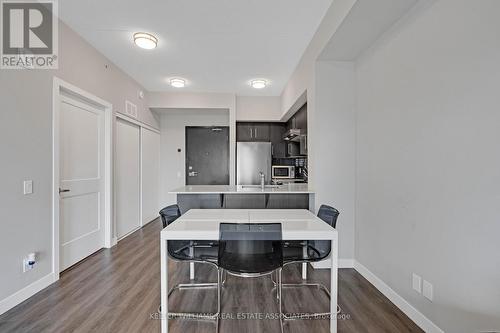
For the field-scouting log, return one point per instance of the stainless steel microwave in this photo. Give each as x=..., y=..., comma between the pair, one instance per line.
x=283, y=171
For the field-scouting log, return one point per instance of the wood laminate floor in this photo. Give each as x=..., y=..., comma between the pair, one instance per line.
x=118, y=290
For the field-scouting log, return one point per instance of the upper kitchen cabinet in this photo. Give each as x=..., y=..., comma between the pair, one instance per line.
x=261, y=132
x=244, y=132
x=253, y=132
x=277, y=131
x=299, y=120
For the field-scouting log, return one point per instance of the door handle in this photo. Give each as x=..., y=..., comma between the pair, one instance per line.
x=193, y=174
x=62, y=190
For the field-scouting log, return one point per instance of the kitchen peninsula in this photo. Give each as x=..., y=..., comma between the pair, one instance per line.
x=287, y=196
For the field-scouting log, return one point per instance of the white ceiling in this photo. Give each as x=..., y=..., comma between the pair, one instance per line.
x=216, y=45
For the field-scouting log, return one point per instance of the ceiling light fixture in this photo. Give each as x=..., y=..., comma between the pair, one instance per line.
x=145, y=40
x=258, y=84
x=177, y=83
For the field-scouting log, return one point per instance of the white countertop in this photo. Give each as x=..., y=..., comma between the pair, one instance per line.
x=243, y=189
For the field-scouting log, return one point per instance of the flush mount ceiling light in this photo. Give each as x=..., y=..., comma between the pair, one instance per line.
x=177, y=83
x=258, y=84
x=145, y=40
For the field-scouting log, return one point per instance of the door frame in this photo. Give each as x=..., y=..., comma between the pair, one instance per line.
x=61, y=87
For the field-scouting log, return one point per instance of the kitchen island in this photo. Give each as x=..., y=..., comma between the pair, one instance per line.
x=288, y=196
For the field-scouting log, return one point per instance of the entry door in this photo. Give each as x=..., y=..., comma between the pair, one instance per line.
x=207, y=155
x=81, y=172
x=127, y=178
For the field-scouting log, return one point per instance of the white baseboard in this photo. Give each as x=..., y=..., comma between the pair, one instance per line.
x=343, y=263
x=25, y=293
x=418, y=318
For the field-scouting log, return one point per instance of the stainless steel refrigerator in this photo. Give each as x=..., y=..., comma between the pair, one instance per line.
x=253, y=158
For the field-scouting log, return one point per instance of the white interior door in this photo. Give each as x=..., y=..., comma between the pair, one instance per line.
x=150, y=172
x=127, y=178
x=81, y=219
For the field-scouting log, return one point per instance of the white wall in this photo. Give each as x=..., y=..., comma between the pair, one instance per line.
x=334, y=151
x=428, y=161
x=26, y=153
x=260, y=108
x=173, y=136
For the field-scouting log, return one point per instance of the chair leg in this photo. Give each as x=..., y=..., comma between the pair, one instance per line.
x=224, y=277
x=306, y=315
x=190, y=286
x=280, y=298
x=219, y=288
x=304, y=265
x=305, y=284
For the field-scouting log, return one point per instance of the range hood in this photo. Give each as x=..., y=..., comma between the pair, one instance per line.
x=292, y=135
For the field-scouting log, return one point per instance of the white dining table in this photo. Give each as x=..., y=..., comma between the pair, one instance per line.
x=203, y=224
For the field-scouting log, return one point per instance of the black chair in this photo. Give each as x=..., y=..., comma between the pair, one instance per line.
x=309, y=251
x=191, y=251
x=251, y=250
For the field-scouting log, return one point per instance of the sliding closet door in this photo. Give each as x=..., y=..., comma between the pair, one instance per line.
x=127, y=178
x=150, y=169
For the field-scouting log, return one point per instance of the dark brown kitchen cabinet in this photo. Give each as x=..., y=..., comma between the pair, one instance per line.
x=244, y=132
x=277, y=130
x=252, y=132
x=261, y=132
x=299, y=120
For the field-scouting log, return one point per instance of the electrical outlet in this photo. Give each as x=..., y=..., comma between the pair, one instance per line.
x=28, y=187
x=417, y=283
x=26, y=265
x=428, y=290
x=29, y=262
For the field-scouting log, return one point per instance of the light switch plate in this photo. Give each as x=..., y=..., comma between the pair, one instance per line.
x=428, y=290
x=28, y=187
x=417, y=283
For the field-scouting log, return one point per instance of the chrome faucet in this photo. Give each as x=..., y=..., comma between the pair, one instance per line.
x=262, y=180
